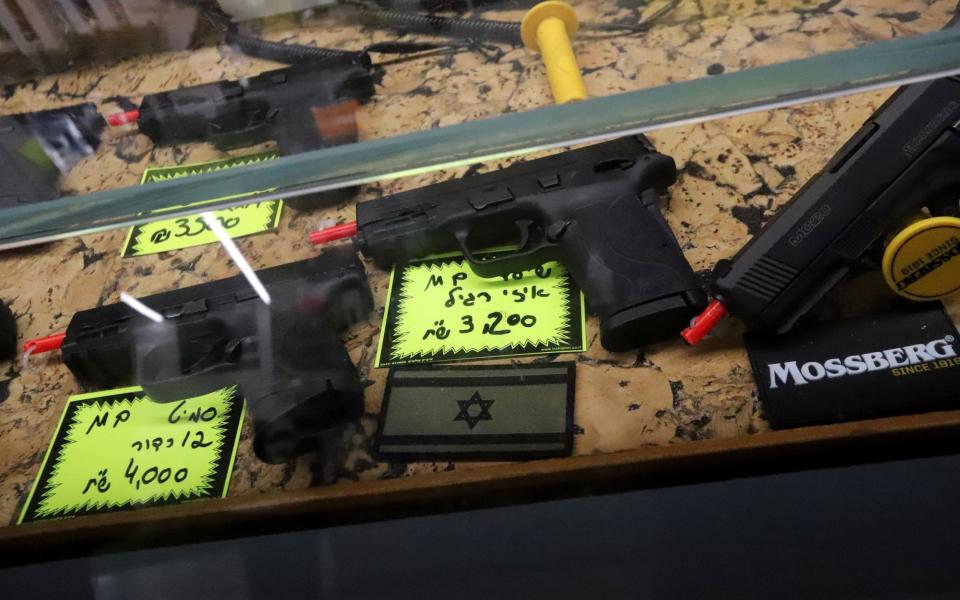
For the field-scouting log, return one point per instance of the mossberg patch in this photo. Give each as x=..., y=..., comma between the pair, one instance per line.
x=500, y=412
x=894, y=363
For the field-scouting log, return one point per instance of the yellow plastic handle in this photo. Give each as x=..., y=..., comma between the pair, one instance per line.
x=547, y=28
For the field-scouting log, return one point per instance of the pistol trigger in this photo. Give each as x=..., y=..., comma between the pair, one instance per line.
x=525, y=226
x=461, y=236
x=233, y=350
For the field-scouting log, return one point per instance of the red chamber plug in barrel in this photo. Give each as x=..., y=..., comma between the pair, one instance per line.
x=44, y=344
x=704, y=324
x=123, y=118
x=332, y=234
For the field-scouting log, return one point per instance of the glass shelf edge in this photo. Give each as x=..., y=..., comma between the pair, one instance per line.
x=824, y=76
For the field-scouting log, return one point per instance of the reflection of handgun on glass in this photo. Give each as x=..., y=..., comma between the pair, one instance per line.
x=904, y=158
x=300, y=108
x=287, y=358
x=594, y=209
x=37, y=148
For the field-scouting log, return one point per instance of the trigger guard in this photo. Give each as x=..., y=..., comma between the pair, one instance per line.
x=524, y=226
x=522, y=259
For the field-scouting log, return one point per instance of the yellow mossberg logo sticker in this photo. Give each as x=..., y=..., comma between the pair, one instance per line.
x=922, y=262
x=186, y=232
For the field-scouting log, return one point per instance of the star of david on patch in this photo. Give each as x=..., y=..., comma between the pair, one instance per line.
x=472, y=419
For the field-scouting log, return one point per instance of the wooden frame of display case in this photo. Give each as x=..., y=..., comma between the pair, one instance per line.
x=484, y=487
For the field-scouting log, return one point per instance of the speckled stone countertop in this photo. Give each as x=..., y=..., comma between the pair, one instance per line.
x=735, y=173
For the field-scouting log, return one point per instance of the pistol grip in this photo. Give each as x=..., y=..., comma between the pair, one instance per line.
x=312, y=388
x=632, y=272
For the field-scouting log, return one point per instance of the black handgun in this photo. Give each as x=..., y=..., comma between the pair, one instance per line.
x=37, y=147
x=8, y=333
x=593, y=209
x=301, y=108
x=287, y=358
x=904, y=158
x=278, y=105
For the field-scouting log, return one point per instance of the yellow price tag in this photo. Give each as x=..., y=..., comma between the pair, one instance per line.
x=186, y=232
x=118, y=449
x=438, y=309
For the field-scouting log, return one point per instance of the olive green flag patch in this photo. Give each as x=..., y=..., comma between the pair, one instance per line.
x=490, y=412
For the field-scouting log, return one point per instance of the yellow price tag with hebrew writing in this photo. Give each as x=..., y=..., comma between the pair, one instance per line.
x=189, y=231
x=118, y=449
x=438, y=309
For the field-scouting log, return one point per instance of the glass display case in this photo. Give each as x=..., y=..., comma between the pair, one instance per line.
x=418, y=108
x=179, y=178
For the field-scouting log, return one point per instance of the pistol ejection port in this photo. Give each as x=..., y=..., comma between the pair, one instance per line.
x=922, y=262
x=547, y=29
